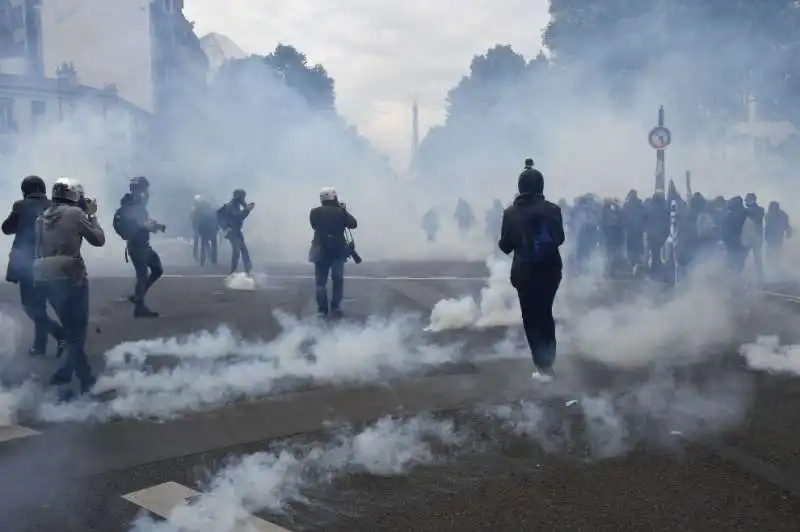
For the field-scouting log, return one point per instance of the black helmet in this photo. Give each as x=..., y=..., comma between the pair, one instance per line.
x=529, y=162
x=33, y=184
x=239, y=194
x=138, y=184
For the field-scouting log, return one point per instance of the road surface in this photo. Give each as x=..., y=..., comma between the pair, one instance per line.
x=490, y=452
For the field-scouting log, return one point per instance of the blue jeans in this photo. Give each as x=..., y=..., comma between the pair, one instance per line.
x=34, y=303
x=322, y=269
x=70, y=300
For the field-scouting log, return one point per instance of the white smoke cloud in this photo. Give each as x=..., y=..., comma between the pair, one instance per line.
x=608, y=424
x=270, y=481
x=612, y=422
x=639, y=329
x=498, y=304
x=768, y=355
x=214, y=368
x=240, y=281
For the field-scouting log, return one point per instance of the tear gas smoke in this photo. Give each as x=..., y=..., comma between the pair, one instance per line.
x=498, y=304
x=768, y=355
x=634, y=332
x=608, y=424
x=615, y=421
x=240, y=281
x=270, y=481
x=215, y=368
x=587, y=128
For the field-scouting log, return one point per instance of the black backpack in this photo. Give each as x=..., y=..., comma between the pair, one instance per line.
x=538, y=245
x=122, y=223
x=222, y=217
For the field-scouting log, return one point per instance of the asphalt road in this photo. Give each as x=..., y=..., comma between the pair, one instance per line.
x=492, y=452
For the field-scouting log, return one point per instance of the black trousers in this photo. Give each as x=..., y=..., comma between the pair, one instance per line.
x=147, y=265
x=537, y=292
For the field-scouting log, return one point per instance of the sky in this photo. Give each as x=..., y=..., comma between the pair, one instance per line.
x=382, y=54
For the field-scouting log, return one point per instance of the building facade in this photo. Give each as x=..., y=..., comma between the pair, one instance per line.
x=146, y=48
x=41, y=116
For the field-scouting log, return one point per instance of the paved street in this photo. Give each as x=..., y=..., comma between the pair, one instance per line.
x=373, y=424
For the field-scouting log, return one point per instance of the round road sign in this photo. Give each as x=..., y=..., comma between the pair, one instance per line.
x=659, y=137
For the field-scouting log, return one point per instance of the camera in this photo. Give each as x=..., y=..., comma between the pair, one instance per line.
x=352, y=253
x=351, y=248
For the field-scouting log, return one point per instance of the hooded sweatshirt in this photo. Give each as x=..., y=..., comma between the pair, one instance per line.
x=60, y=233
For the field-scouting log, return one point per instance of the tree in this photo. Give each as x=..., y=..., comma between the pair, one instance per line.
x=312, y=82
x=489, y=117
x=490, y=75
x=710, y=53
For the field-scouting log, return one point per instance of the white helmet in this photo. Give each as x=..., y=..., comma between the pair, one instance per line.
x=327, y=194
x=67, y=189
x=198, y=199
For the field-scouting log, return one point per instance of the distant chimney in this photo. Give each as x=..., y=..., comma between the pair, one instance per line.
x=67, y=75
x=752, y=108
x=414, y=133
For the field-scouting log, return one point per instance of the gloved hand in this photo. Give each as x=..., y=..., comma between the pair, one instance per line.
x=90, y=206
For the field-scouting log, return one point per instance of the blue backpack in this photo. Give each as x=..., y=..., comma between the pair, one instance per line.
x=538, y=246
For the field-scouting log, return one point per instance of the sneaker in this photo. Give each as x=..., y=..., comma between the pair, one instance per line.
x=542, y=376
x=37, y=352
x=144, y=312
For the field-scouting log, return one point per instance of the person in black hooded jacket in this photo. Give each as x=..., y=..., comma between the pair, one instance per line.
x=533, y=229
x=21, y=223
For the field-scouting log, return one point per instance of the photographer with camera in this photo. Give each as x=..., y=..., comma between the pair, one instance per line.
x=133, y=224
x=231, y=217
x=60, y=272
x=330, y=249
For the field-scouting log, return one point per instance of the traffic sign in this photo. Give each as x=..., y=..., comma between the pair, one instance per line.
x=659, y=137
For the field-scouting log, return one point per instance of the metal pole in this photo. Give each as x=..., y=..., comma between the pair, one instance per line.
x=688, y=184
x=660, y=162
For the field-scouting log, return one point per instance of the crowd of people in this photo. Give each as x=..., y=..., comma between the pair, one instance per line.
x=659, y=234
x=47, y=264
x=665, y=233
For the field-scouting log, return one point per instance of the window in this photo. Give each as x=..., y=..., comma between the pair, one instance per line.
x=7, y=115
x=17, y=18
x=38, y=110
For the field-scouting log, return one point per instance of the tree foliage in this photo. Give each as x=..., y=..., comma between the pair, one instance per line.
x=698, y=57
x=291, y=67
x=726, y=49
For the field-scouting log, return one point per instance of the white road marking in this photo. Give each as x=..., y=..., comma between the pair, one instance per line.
x=15, y=432
x=162, y=499
x=347, y=277
x=788, y=297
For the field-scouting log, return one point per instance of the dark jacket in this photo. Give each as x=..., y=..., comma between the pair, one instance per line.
x=235, y=214
x=732, y=228
x=21, y=223
x=329, y=222
x=136, y=215
x=204, y=219
x=521, y=213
